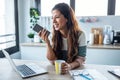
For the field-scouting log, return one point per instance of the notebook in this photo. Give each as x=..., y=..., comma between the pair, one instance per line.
x=25, y=70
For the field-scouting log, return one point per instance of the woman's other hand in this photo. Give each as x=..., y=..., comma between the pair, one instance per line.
x=65, y=67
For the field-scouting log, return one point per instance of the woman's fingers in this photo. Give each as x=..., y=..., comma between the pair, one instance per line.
x=65, y=68
x=44, y=35
x=39, y=33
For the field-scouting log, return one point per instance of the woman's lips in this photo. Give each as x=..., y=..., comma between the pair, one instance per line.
x=55, y=25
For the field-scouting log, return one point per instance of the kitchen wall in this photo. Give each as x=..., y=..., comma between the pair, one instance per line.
x=23, y=11
x=102, y=21
x=85, y=26
x=23, y=15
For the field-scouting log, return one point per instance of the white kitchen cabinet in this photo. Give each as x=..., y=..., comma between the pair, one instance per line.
x=96, y=54
x=33, y=51
x=103, y=54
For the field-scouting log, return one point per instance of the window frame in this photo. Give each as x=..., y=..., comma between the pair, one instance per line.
x=110, y=9
x=14, y=49
x=72, y=4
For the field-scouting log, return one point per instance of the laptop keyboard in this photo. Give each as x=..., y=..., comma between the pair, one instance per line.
x=25, y=70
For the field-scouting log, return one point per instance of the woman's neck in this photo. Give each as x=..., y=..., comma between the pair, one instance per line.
x=64, y=33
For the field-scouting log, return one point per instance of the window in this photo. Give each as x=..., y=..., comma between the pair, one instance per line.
x=91, y=7
x=9, y=26
x=83, y=7
x=117, y=8
x=47, y=5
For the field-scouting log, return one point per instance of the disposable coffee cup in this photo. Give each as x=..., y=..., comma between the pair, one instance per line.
x=58, y=64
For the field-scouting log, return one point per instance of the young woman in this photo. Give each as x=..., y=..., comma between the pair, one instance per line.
x=68, y=40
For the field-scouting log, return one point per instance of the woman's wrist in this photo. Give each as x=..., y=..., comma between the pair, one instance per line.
x=78, y=62
x=70, y=66
x=74, y=64
x=48, y=43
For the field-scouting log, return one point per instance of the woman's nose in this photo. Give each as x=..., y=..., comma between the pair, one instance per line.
x=54, y=20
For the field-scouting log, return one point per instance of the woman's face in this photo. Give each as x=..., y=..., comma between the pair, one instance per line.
x=59, y=21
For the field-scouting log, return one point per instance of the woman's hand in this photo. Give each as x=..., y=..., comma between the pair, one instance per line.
x=65, y=67
x=44, y=35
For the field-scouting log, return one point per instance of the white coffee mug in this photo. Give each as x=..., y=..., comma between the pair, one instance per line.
x=58, y=64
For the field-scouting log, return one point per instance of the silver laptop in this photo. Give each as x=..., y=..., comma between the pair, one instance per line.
x=25, y=70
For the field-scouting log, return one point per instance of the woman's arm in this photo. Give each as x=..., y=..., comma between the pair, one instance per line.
x=50, y=53
x=78, y=62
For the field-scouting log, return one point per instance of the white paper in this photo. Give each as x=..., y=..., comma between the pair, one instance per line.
x=115, y=71
x=95, y=75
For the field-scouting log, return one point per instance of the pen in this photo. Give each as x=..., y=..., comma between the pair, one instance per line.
x=85, y=77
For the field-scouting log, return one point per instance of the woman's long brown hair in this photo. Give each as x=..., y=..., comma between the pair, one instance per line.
x=73, y=33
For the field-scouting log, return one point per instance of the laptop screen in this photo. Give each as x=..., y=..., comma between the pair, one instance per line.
x=9, y=59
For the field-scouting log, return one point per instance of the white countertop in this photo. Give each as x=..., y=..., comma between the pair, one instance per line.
x=33, y=44
x=89, y=46
x=103, y=46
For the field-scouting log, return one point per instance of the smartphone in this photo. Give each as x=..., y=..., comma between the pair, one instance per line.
x=37, y=28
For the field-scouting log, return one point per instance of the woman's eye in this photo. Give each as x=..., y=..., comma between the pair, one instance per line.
x=57, y=17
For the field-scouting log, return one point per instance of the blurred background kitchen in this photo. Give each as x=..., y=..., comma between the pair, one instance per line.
x=99, y=20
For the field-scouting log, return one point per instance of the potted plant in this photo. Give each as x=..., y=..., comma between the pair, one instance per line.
x=34, y=17
x=31, y=36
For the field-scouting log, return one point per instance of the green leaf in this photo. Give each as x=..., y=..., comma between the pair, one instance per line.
x=31, y=35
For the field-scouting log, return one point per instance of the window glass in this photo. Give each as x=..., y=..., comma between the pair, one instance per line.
x=47, y=5
x=117, y=7
x=91, y=7
x=7, y=24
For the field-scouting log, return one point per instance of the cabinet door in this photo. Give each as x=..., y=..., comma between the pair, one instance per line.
x=103, y=56
x=33, y=53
